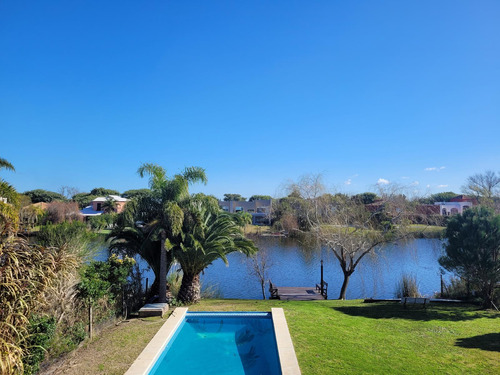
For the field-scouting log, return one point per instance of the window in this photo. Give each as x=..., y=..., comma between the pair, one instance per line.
x=225, y=208
x=99, y=205
x=444, y=212
x=238, y=209
x=251, y=210
x=261, y=209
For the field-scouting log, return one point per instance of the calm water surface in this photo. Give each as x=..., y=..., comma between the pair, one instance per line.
x=295, y=264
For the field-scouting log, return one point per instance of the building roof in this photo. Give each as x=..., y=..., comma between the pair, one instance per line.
x=89, y=211
x=116, y=198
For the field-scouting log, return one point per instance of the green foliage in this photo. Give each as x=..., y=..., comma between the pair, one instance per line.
x=84, y=199
x=129, y=194
x=72, y=235
x=40, y=195
x=40, y=333
x=243, y=218
x=5, y=164
x=473, y=250
x=439, y=197
x=101, y=279
x=365, y=198
x=68, y=339
x=103, y=221
x=258, y=197
x=233, y=197
x=102, y=192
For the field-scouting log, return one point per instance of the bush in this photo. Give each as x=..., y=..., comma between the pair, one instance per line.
x=41, y=331
x=407, y=287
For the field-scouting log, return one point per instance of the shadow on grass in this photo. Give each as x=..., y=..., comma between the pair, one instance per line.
x=396, y=311
x=489, y=341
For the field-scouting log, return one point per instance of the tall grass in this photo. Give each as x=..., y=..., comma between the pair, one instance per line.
x=407, y=286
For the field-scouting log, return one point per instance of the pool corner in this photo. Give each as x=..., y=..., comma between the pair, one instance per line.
x=143, y=364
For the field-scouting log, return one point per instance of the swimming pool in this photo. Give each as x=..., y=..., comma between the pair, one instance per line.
x=236, y=343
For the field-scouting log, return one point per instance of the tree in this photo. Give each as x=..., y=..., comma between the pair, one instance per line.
x=233, y=197
x=259, y=197
x=483, y=186
x=102, y=192
x=350, y=229
x=158, y=214
x=83, y=199
x=208, y=234
x=109, y=205
x=473, y=250
x=259, y=267
x=40, y=195
x=9, y=203
x=68, y=191
x=365, y=198
x=439, y=197
x=5, y=164
x=135, y=193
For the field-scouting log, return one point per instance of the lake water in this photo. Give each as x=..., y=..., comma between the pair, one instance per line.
x=295, y=264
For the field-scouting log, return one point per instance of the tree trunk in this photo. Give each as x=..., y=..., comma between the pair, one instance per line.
x=263, y=286
x=162, y=288
x=190, y=291
x=347, y=275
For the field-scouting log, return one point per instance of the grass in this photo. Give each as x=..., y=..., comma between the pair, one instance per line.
x=347, y=337
x=110, y=353
x=427, y=231
x=256, y=229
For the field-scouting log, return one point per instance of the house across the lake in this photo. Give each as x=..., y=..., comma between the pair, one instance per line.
x=96, y=207
x=260, y=209
x=456, y=205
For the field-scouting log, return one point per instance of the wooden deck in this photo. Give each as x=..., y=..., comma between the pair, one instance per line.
x=292, y=293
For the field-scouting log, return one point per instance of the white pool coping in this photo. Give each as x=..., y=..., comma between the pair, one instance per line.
x=146, y=360
x=286, y=351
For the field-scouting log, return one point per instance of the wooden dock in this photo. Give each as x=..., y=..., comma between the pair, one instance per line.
x=292, y=293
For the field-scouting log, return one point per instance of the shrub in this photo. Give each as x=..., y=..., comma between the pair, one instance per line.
x=40, y=333
x=407, y=287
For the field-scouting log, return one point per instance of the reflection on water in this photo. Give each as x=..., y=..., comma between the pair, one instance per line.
x=297, y=263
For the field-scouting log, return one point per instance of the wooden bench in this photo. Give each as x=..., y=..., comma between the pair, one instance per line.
x=406, y=301
x=325, y=289
x=274, y=291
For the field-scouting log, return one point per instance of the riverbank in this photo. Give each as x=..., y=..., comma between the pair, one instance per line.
x=335, y=337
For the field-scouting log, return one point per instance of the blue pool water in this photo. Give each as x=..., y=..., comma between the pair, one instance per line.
x=221, y=343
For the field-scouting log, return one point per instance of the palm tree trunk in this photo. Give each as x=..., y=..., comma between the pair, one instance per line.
x=163, y=270
x=190, y=291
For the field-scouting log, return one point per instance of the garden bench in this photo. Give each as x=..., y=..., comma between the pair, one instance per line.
x=415, y=301
x=273, y=291
x=325, y=289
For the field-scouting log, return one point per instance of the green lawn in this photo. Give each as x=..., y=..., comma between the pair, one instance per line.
x=335, y=337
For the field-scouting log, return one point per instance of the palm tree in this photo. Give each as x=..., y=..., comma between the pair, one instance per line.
x=5, y=164
x=9, y=218
x=158, y=214
x=208, y=234
x=109, y=205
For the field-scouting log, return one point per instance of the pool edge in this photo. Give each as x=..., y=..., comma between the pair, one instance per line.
x=143, y=364
x=286, y=352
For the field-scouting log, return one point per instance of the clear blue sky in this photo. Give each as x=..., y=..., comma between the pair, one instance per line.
x=256, y=92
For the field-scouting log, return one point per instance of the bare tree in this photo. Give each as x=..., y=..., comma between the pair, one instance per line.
x=351, y=229
x=259, y=265
x=68, y=191
x=483, y=185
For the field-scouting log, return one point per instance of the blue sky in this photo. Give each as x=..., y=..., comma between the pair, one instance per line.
x=257, y=92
